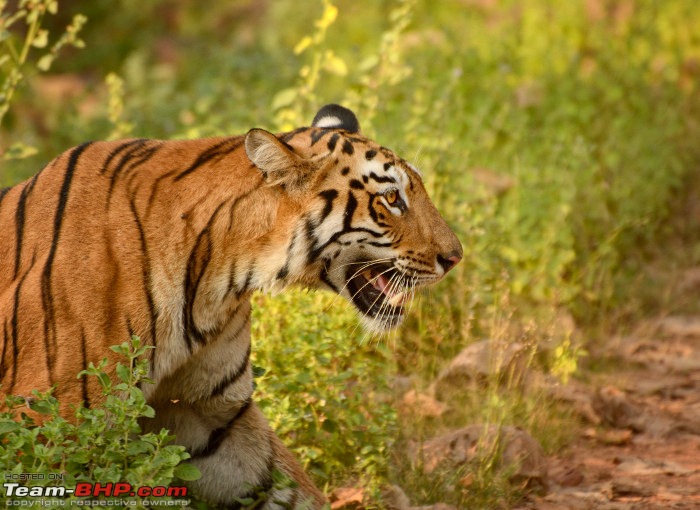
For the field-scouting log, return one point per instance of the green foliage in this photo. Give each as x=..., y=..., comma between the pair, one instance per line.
x=324, y=388
x=100, y=444
x=27, y=18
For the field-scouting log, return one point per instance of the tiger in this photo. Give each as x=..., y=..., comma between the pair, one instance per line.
x=167, y=240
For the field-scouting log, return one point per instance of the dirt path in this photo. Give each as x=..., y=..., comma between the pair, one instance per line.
x=642, y=450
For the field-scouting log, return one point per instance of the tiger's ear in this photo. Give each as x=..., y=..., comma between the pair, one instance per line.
x=278, y=162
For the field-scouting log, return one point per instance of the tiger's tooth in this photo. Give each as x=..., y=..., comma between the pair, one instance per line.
x=396, y=299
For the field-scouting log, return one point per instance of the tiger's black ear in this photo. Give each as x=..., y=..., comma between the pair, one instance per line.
x=336, y=117
x=278, y=162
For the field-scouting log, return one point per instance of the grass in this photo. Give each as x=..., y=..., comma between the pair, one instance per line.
x=555, y=138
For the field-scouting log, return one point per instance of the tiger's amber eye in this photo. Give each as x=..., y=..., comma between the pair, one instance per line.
x=391, y=196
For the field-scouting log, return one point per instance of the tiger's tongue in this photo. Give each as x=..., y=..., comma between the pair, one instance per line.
x=381, y=283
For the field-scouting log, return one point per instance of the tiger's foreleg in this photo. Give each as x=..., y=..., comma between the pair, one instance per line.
x=206, y=402
x=239, y=458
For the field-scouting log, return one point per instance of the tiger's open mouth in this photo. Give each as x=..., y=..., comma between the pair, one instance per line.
x=375, y=293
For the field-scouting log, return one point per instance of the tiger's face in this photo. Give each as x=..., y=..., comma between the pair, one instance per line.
x=369, y=230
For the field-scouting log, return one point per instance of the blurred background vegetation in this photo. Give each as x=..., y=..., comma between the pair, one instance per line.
x=559, y=139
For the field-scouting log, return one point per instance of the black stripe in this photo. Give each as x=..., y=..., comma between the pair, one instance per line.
x=238, y=199
x=3, y=192
x=217, y=151
x=246, y=284
x=350, y=208
x=196, y=267
x=355, y=184
x=154, y=190
x=197, y=264
x=50, y=343
x=284, y=271
x=380, y=179
x=145, y=270
x=19, y=222
x=333, y=141
x=288, y=136
x=231, y=277
x=116, y=151
x=14, y=325
x=130, y=158
x=328, y=195
x=84, y=379
x=314, y=248
x=5, y=341
x=138, y=159
x=316, y=135
x=217, y=436
x=372, y=211
x=235, y=375
x=324, y=278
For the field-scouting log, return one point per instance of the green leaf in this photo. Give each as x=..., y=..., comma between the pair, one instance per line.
x=44, y=63
x=20, y=150
x=41, y=407
x=302, y=45
x=136, y=447
x=284, y=98
x=187, y=472
x=8, y=426
x=148, y=412
x=41, y=39
x=123, y=372
x=335, y=65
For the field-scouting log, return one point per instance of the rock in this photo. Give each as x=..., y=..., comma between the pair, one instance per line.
x=394, y=498
x=616, y=437
x=480, y=362
x=630, y=487
x=519, y=452
x=617, y=409
x=578, y=396
x=680, y=326
x=420, y=404
x=635, y=466
x=569, y=476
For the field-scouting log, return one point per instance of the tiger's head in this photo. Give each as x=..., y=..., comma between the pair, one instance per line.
x=365, y=226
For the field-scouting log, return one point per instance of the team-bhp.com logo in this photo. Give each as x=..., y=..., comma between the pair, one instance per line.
x=19, y=494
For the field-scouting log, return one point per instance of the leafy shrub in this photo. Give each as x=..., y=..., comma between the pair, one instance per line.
x=101, y=444
x=20, y=53
x=325, y=386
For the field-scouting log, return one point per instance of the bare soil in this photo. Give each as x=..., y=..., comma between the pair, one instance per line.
x=642, y=449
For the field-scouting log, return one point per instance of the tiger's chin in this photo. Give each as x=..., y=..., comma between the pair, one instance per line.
x=379, y=294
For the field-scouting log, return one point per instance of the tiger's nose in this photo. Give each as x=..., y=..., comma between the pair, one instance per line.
x=449, y=260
